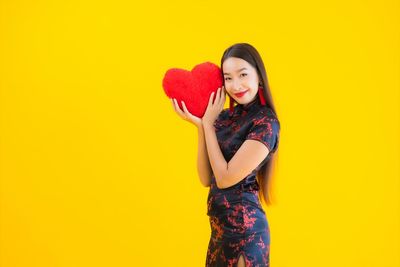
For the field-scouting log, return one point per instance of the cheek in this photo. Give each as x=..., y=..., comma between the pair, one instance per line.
x=254, y=83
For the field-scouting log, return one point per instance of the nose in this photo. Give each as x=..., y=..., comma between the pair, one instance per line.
x=236, y=85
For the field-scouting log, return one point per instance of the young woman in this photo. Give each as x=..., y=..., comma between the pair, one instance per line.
x=236, y=149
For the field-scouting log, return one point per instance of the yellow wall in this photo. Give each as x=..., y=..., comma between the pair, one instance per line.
x=97, y=169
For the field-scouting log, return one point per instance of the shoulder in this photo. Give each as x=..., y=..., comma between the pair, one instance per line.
x=223, y=119
x=265, y=114
x=224, y=114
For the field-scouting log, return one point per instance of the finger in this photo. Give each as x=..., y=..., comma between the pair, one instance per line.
x=211, y=98
x=187, y=112
x=185, y=115
x=185, y=108
x=222, y=98
x=178, y=109
x=173, y=104
x=218, y=96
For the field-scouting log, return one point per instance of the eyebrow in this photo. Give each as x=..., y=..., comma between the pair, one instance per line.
x=236, y=71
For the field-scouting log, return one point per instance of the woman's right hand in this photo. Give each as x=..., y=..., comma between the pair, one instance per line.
x=185, y=114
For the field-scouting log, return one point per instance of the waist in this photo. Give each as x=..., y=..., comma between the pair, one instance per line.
x=220, y=203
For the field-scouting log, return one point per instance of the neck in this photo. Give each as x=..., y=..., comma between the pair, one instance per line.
x=251, y=102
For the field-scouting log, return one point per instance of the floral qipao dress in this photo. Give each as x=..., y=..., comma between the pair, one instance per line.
x=237, y=219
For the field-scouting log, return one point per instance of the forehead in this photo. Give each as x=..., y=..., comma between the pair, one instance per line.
x=234, y=64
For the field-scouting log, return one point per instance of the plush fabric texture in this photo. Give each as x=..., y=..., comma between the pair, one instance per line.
x=193, y=87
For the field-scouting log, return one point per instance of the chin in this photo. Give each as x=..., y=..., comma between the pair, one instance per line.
x=247, y=100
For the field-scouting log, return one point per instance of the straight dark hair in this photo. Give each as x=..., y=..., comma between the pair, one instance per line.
x=247, y=52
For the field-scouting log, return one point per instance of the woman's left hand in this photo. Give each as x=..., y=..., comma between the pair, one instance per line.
x=214, y=109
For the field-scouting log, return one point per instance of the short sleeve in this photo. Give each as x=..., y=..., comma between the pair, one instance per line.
x=221, y=120
x=266, y=130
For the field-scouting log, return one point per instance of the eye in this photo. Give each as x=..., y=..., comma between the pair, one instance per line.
x=244, y=74
x=227, y=78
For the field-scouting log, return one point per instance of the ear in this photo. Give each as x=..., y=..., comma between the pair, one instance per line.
x=259, y=80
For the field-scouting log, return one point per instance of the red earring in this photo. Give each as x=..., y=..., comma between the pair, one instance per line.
x=261, y=96
x=230, y=104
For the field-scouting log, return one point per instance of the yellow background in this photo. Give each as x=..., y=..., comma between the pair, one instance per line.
x=97, y=169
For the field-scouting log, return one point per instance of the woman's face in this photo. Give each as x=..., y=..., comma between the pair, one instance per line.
x=239, y=77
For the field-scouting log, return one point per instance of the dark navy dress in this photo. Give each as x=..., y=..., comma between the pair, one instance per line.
x=237, y=219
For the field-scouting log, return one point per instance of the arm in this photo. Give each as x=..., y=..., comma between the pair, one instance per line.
x=217, y=160
x=247, y=158
x=203, y=164
x=250, y=154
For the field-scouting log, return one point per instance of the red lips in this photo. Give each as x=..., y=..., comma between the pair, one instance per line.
x=241, y=93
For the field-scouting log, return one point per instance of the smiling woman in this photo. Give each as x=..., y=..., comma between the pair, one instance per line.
x=247, y=136
x=236, y=148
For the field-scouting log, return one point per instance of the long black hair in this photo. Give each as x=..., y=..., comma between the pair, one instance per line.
x=247, y=52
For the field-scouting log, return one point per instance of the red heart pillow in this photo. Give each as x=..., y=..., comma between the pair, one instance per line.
x=193, y=87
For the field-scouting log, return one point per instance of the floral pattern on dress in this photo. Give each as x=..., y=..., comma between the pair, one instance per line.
x=238, y=222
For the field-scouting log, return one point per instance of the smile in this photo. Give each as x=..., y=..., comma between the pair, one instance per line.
x=241, y=93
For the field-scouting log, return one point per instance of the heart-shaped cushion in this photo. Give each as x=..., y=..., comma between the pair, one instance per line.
x=193, y=87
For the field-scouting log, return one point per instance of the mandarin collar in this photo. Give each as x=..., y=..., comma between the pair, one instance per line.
x=240, y=108
x=254, y=103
